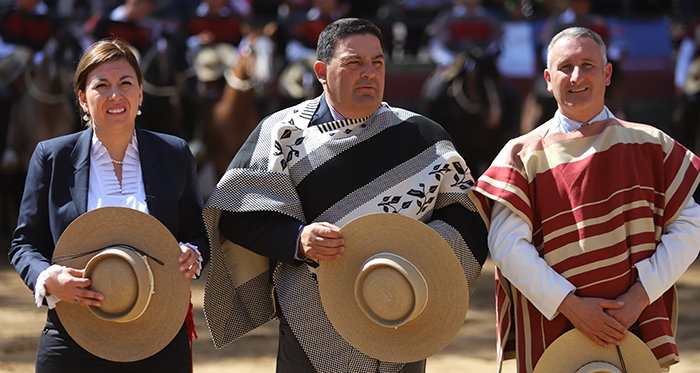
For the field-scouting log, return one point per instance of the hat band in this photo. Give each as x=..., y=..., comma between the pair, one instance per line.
x=63, y=258
x=598, y=367
x=390, y=290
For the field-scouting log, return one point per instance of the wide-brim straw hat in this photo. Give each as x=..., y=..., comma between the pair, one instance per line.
x=145, y=303
x=398, y=293
x=573, y=352
x=212, y=61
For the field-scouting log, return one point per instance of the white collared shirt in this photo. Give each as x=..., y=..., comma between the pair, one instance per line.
x=104, y=188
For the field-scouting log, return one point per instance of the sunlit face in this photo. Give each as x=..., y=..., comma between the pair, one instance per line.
x=578, y=77
x=354, y=78
x=112, y=97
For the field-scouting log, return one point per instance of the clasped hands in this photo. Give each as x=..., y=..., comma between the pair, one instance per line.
x=605, y=321
x=69, y=285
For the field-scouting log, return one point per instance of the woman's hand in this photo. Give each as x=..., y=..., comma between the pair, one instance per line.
x=70, y=286
x=189, y=260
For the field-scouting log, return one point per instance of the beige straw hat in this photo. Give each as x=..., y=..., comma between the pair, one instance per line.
x=212, y=61
x=132, y=260
x=398, y=293
x=573, y=352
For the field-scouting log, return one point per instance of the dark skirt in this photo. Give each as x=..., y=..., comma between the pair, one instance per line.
x=58, y=352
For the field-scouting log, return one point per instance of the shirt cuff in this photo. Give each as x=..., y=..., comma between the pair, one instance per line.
x=199, y=259
x=40, y=288
x=297, y=256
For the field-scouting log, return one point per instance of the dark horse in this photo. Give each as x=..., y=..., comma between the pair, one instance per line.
x=474, y=105
x=169, y=89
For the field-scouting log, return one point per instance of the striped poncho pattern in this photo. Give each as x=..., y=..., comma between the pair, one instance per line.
x=597, y=201
x=394, y=161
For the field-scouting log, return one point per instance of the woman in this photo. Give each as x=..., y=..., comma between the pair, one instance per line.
x=111, y=163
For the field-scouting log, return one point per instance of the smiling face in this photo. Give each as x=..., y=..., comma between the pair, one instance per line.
x=354, y=78
x=578, y=77
x=112, y=97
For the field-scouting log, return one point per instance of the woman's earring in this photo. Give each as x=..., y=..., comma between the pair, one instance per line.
x=139, y=112
x=86, y=117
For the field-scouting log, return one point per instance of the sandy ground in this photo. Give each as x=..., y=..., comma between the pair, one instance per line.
x=473, y=350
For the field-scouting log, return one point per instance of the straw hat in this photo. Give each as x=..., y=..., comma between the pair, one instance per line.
x=573, y=352
x=398, y=293
x=145, y=301
x=212, y=61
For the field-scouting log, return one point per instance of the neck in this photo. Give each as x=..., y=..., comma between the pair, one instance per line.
x=115, y=142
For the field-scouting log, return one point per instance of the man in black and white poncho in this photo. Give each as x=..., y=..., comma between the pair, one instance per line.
x=306, y=171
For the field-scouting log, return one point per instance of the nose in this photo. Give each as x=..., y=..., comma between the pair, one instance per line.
x=576, y=75
x=114, y=93
x=369, y=70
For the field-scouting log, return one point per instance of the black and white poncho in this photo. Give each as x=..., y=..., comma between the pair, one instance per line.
x=394, y=161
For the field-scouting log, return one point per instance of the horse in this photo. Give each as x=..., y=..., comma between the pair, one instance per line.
x=474, y=104
x=228, y=118
x=45, y=109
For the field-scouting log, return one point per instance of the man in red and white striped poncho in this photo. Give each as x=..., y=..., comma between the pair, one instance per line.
x=591, y=218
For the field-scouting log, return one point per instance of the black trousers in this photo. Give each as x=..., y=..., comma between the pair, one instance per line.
x=58, y=353
x=291, y=358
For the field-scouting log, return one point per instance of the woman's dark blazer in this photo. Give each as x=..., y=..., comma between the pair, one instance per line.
x=56, y=191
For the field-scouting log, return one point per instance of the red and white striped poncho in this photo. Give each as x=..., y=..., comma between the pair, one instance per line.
x=597, y=201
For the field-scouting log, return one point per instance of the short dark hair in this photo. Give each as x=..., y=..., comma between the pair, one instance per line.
x=339, y=30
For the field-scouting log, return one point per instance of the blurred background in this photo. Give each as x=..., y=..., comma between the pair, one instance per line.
x=214, y=68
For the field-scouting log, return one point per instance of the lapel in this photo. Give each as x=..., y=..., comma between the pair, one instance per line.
x=152, y=175
x=80, y=160
x=322, y=114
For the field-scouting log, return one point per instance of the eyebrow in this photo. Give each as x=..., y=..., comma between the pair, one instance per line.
x=102, y=79
x=359, y=57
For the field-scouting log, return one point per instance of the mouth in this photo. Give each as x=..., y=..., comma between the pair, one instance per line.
x=578, y=90
x=116, y=111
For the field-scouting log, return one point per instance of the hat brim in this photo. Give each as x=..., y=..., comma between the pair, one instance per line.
x=573, y=349
x=166, y=312
x=448, y=292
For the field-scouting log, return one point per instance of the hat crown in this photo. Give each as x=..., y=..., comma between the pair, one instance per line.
x=125, y=279
x=390, y=290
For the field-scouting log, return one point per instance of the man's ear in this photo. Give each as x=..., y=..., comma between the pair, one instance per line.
x=548, y=79
x=320, y=69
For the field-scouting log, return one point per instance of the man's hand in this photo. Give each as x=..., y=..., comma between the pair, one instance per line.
x=70, y=286
x=321, y=241
x=635, y=301
x=589, y=316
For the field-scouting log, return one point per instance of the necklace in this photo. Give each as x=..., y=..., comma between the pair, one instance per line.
x=116, y=161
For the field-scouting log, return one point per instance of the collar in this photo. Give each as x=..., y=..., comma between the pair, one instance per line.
x=132, y=150
x=335, y=113
x=565, y=125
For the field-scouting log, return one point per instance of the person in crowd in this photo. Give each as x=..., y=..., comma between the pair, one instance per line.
x=128, y=22
x=575, y=247
x=110, y=163
x=466, y=25
x=309, y=169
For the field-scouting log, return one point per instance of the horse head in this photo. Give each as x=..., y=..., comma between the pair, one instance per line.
x=475, y=84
